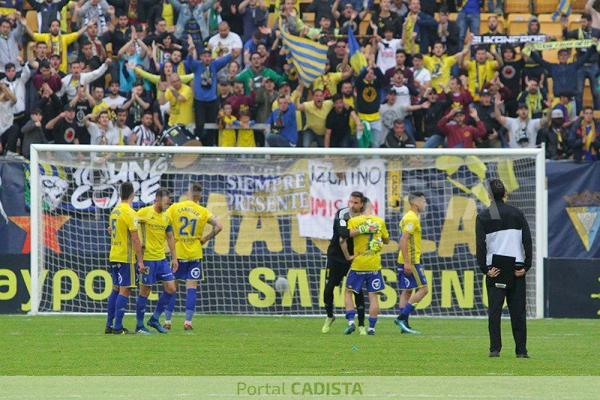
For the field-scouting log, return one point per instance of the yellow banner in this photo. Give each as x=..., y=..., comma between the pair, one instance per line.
x=564, y=44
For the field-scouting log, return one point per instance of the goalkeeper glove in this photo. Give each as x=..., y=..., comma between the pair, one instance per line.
x=368, y=227
x=375, y=245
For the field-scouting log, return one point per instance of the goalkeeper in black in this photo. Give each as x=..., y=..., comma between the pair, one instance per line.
x=339, y=258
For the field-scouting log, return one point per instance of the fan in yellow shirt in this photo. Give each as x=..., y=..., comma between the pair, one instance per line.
x=245, y=133
x=188, y=219
x=58, y=43
x=410, y=271
x=329, y=81
x=227, y=137
x=125, y=246
x=369, y=234
x=155, y=79
x=440, y=65
x=481, y=71
x=156, y=229
x=316, y=116
x=181, y=100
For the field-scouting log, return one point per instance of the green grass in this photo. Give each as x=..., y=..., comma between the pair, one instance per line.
x=225, y=345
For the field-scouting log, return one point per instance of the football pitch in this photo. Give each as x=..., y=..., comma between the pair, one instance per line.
x=258, y=346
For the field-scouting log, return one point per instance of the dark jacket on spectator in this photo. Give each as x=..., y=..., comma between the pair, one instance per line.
x=486, y=114
x=426, y=31
x=576, y=138
x=432, y=115
x=234, y=19
x=31, y=135
x=394, y=142
x=321, y=8
x=563, y=75
x=47, y=12
x=51, y=107
x=451, y=41
x=556, y=141
x=142, y=9
x=394, y=21
x=578, y=34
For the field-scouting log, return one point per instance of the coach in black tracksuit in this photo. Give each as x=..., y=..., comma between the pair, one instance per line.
x=503, y=230
x=337, y=264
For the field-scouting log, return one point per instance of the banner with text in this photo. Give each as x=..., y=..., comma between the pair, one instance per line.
x=330, y=186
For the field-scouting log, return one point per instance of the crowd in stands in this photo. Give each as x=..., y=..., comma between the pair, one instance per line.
x=139, y=71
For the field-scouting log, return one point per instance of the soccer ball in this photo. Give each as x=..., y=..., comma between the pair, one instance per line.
x=282, y=285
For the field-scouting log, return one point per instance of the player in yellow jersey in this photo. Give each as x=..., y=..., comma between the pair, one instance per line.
x=155, y=230
x=125, y=248
x=369, y=234
x=188, y=219
x=410, y=271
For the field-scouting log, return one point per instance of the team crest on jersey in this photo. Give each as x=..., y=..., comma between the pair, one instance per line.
x=195, y=273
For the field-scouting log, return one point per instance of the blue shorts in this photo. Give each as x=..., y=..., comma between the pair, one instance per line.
x=356, y=279
x=156, y=271
x=415, y=280
x=123, y=274
x=189, y=270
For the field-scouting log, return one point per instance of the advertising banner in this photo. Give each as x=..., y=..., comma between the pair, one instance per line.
x=573, y=209
x=572, y=288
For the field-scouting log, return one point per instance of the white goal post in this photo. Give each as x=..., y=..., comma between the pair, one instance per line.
x=277, y=205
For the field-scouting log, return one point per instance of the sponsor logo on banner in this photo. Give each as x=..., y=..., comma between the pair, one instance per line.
x=330, y=186
x=99, y=187
x=54, y=181
x=584, y=213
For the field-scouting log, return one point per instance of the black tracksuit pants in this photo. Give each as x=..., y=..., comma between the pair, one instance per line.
x=515, y=298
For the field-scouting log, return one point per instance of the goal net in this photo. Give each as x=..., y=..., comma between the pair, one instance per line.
x=277, y=208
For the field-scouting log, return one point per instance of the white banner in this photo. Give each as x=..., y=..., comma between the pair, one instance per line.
x=505, y=39
x=330, y=186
